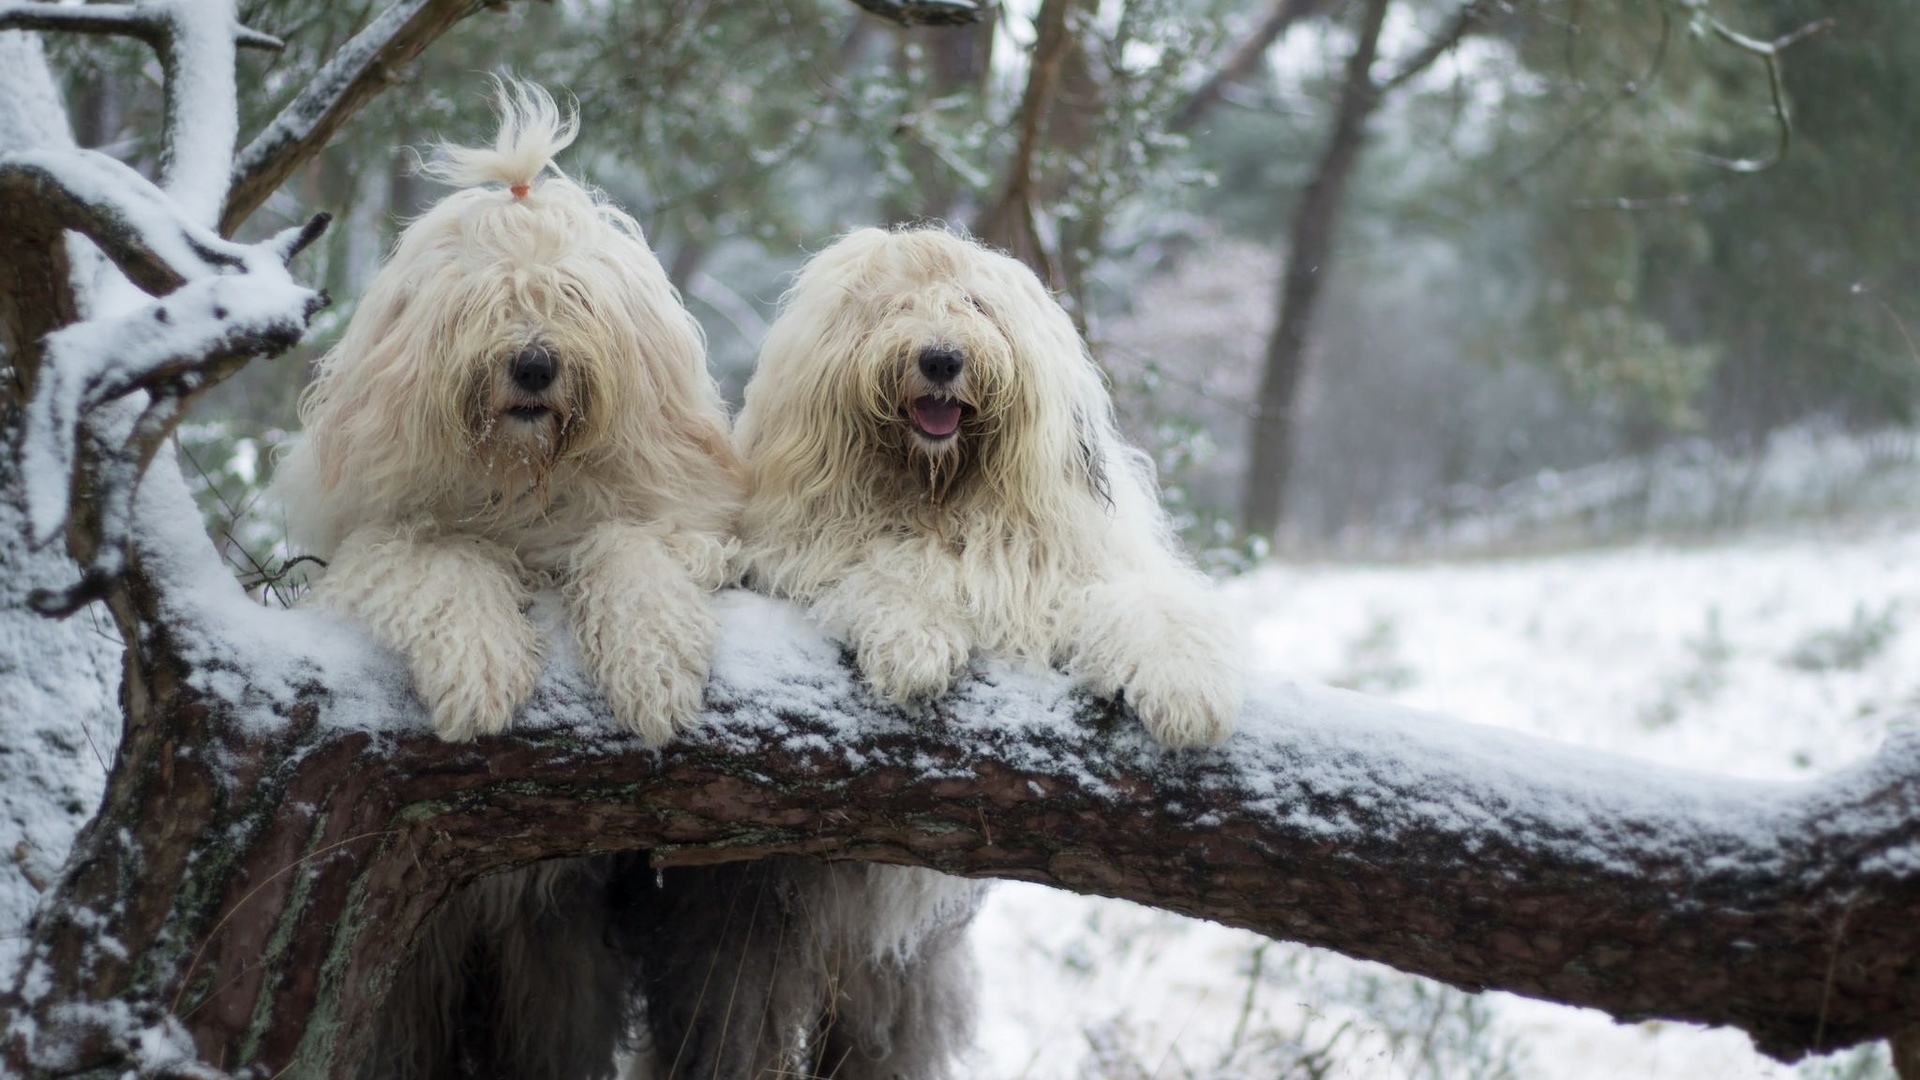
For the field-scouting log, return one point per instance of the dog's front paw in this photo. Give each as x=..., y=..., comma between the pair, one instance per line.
x=473, y=683
x=1194, y=703
x=914, y=663
x=648, y=643
x=654, y=698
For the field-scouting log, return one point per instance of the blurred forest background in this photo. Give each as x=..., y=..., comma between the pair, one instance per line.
x=1373, y=277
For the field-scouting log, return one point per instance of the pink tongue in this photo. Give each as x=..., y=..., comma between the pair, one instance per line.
x=936, y=416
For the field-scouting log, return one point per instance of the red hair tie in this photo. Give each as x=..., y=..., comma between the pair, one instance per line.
x=520, y=190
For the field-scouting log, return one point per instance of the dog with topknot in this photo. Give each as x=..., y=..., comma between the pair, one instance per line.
x=521, y=401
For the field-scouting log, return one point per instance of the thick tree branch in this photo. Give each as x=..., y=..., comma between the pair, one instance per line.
x=1009, y=222
x=218, y=304
x=1476, y=856
x=368, y=64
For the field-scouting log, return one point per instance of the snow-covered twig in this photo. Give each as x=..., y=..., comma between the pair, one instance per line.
x=217, y=304
x=369, y=63
x=1769, y=54
x=146, y=22
x=195, y=42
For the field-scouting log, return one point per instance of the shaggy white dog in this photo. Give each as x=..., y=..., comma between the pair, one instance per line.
x=521, y=401
x=934, y=468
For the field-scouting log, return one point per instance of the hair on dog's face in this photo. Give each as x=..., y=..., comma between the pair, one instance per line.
x=936, y=378
x=517, y=342
x=941, y=366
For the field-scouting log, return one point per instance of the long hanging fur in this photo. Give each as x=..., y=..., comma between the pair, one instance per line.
x=1030, y=530
x=445, y=483
x=528, y=975
x=794, y=968
x=1043, y=541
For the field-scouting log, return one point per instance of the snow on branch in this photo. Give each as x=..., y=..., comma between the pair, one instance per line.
x=370, y=62
x=1482, y=857
x=216, y=305
x=151, y=23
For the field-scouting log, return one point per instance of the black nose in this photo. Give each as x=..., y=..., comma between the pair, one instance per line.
x=534, y=369
x=941, y=365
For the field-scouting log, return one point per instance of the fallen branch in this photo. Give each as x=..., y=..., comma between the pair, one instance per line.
x=1476, y=856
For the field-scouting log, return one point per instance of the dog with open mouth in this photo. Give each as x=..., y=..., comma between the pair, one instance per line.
x=934, y=471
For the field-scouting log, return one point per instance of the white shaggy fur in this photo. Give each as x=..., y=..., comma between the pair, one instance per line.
x=1031, y=531
x=443, y=488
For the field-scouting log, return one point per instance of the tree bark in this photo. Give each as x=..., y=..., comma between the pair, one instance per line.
x=1308, y=256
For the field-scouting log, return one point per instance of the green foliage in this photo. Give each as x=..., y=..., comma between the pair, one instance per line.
x=1615, y=354
x=1738, y=289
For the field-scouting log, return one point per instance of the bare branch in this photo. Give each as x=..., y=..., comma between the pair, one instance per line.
x=1245, y=57
x=148, y=24
x=1439, y=45
x=1009, y=221
x=1630, y=89
x=1769, y=54
x=927, y=12
x=367, y=65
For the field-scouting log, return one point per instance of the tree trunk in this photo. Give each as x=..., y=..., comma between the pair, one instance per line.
x=1308, y=256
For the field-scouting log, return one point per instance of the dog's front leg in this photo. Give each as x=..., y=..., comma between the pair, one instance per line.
x=455, y=607
x=643, y=623
x=900, y=611
x=1160, y=642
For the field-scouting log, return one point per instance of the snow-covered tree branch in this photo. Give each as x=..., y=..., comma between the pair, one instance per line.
x=373, y=61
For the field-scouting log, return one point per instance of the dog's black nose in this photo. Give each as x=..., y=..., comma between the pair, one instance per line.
x=534, y=368
x=941, y=365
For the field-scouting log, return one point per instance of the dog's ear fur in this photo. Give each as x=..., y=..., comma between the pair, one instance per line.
x=1092, y=458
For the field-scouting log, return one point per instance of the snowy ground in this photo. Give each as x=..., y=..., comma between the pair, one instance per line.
x=1767, y=657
